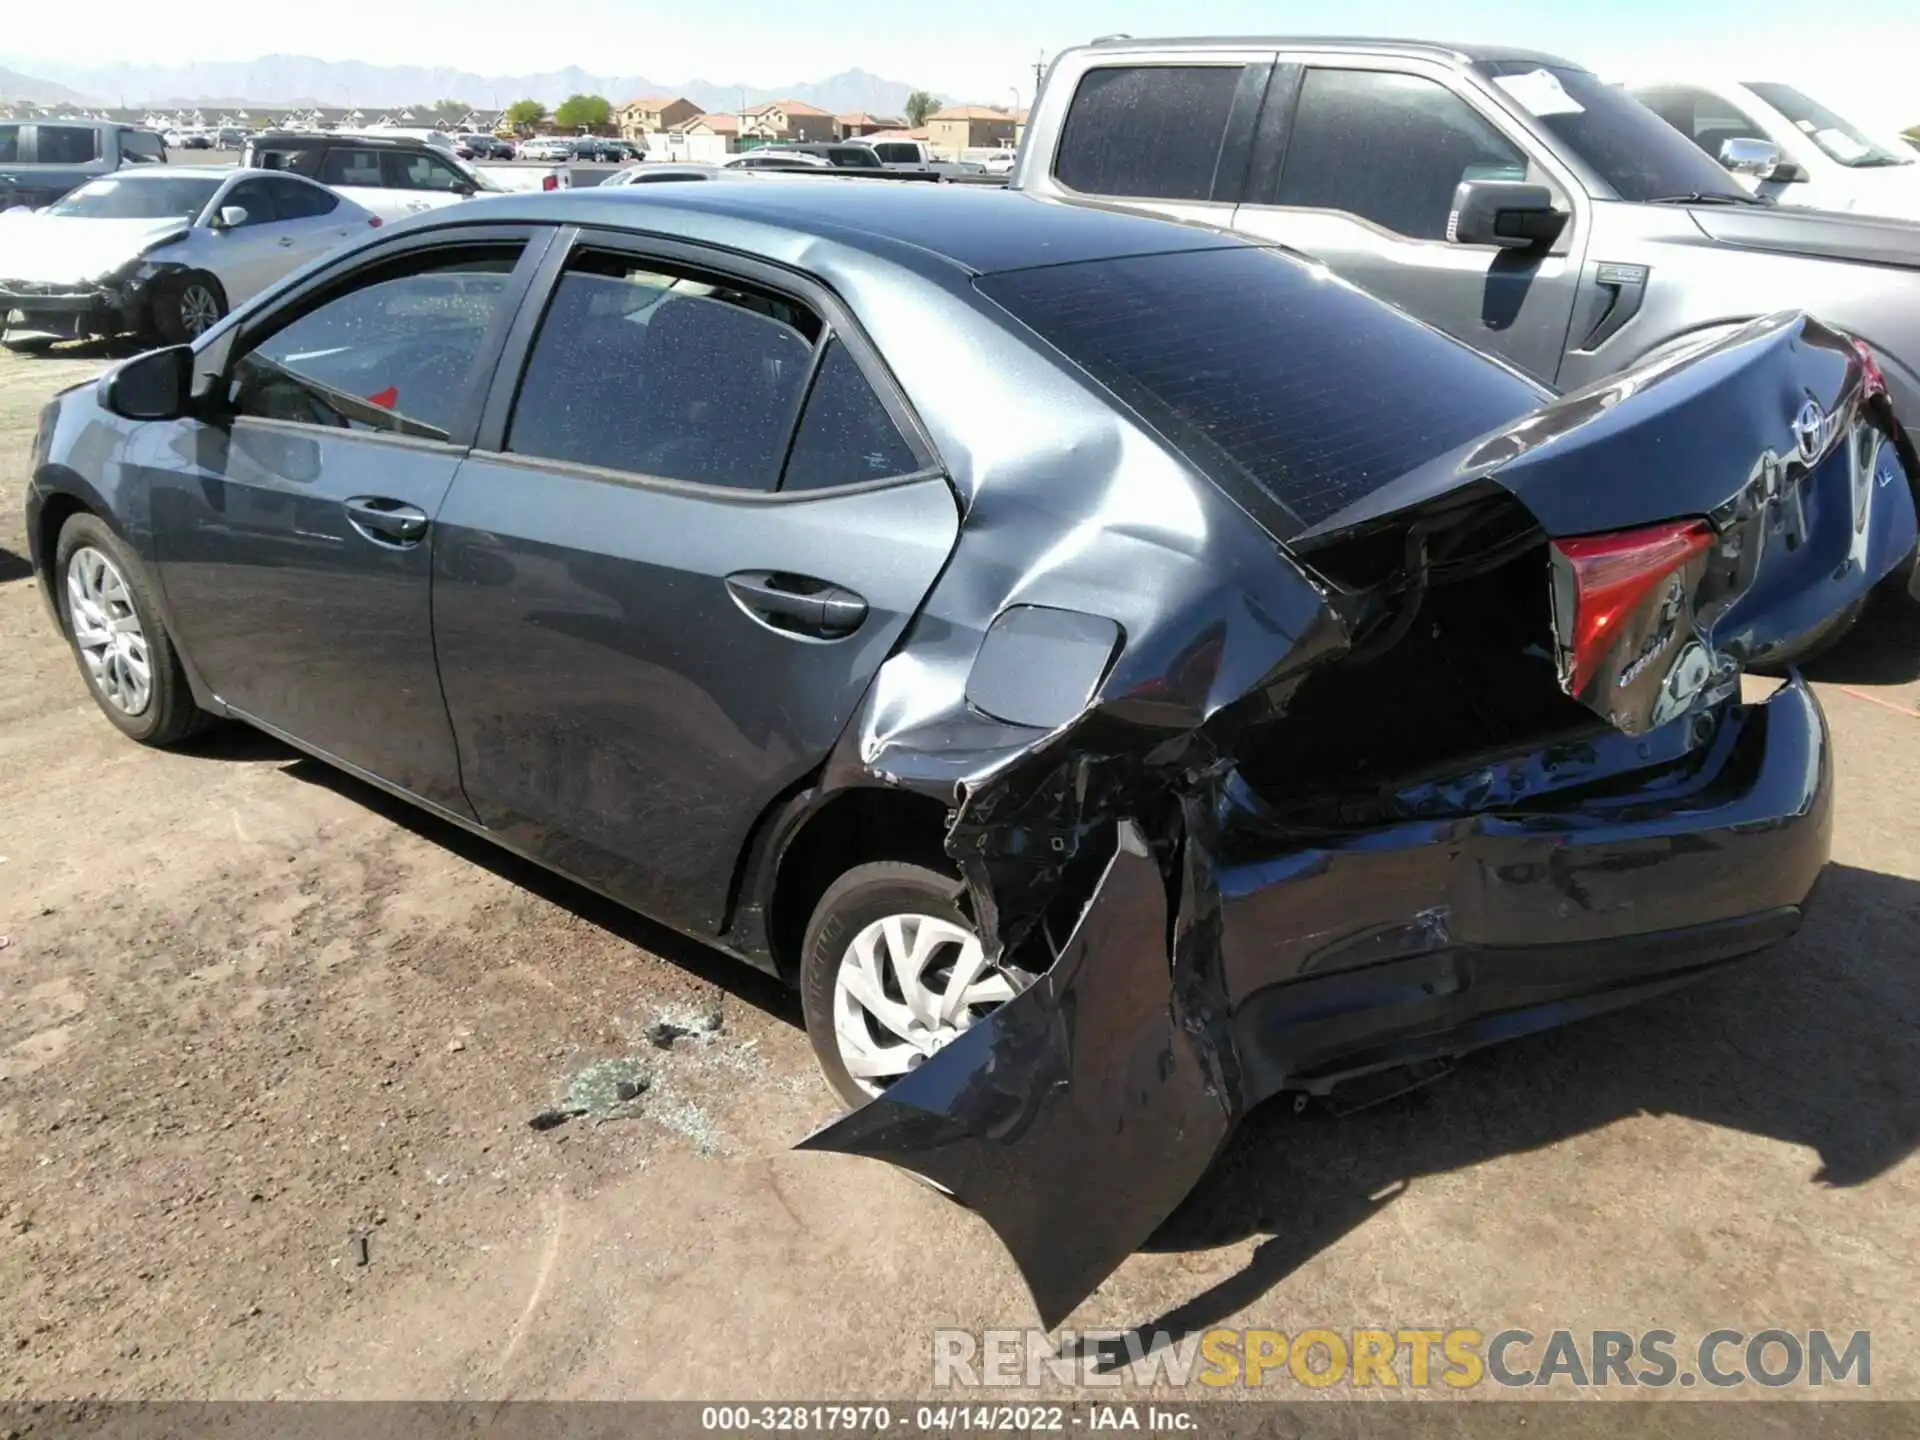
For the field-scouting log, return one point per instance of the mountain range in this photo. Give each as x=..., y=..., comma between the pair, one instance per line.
x=288, y=80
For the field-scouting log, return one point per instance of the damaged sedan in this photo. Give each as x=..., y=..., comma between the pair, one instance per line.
x=1275, y=696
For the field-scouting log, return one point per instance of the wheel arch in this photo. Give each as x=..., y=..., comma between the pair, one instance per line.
x=846, y=828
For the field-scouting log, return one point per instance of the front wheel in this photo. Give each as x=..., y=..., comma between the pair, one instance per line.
x=892, y=971
x=186, y=307
x=125, y=655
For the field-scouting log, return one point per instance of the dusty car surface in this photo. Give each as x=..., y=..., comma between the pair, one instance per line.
x=1066, y=763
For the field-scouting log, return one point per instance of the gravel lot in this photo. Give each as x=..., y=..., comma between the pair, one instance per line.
x=252, y=1011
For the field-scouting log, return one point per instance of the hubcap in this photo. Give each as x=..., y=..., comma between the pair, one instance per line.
x=198, y=308
x=908, y=984
x=106, y=629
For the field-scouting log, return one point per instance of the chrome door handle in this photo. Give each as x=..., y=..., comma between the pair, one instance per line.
x=797, y=604
x=386, y=522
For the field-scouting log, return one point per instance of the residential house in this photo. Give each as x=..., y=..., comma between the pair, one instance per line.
x=860, y=124
x=787, y=120
x=959, y=128
x=654, y=115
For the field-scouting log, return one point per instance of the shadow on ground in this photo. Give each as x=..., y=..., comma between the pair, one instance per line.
x=243, y=742
x=12, y=566
x=1814, y=1043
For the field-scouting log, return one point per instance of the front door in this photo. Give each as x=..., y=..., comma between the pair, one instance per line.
x=1366, y=185
x=655, y=614
x=249, y=256
x=293, y=523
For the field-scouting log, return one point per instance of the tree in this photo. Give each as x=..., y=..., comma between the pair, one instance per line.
x=525, y=114
x=921, y=104
x=583, y=112
x=451, y=111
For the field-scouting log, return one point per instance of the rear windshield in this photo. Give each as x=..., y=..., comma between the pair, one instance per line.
x=1266, y=371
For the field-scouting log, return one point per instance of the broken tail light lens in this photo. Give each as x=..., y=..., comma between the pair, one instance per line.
x=1613, y=576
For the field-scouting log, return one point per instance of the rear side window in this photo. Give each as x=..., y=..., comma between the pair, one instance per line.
x=1149, y=131
x=66, y=144
x=9, y=143
x=1266, y=372
x=394, y=354
x=894, y=153
x=660, y=374
x=343, y=166
x=846, y=435
x=1389, y=148
x=296, y=201
x=421, y=172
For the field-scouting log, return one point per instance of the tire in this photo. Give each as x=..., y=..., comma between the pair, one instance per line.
x=165, y=713
x=859, y=902
x=31, y=345
x=180, y=303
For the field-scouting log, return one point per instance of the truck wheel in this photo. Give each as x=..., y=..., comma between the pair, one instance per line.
x=187, y=306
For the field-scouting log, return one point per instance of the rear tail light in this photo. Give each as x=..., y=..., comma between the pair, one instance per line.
x=374, y=222
x=550, y=182
x=1613, y=576
x=1872, y=381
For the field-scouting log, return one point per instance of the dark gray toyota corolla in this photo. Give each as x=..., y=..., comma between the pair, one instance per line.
x=1116, y=671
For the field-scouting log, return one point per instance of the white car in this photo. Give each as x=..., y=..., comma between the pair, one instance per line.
x=1001, y=164
x=162, y=251
x=1789, y=146
x=547, y=149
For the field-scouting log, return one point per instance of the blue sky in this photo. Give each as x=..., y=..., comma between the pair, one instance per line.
x=1864, y=61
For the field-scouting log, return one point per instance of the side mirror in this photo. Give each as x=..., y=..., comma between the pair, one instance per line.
x=231, y=217
x=155, y=386
x=1509, y=213
x=1758, y=158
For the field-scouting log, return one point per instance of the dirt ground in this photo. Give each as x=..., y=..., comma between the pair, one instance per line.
x=253, y=1014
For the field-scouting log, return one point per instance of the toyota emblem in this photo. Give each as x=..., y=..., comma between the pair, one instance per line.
x=1810, y=431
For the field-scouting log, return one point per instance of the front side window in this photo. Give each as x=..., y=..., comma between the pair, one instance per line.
x=392, y=354
x=344, y=166
x=846, y=436
x=253, y=197
x=139, y=147
x=122, y=197
x=1839, y=139
x=1389, y=148
x=1147, y=131
x=66, y=144
x=1629, y=147
x=422, y=172
x=9, y=144
x=1700, y=115
x=668, y=375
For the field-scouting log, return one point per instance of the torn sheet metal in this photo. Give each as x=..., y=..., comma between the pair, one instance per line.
x=1095, y=845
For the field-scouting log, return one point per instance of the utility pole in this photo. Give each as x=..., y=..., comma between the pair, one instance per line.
x=1039, y=71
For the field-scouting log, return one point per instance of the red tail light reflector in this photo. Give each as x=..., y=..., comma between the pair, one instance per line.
x=550, y=182
x=1613, y=575
x=374, y=222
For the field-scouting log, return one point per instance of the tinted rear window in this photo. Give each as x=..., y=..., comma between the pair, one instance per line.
x=9, y=144
x=1265, y=371
x=66, y=144
x=1151, y=131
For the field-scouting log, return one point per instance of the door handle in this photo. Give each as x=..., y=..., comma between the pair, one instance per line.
x=797, y=604
x=285, y=240
x=386, y=522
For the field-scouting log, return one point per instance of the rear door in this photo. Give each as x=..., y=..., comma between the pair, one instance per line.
x=1357, y=167
x=691, y=531
x=311, y=220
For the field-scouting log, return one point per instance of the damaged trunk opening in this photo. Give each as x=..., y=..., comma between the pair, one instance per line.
x=1500, y=779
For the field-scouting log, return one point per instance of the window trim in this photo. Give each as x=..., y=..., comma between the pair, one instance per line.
x=1568, y=189
x=252, y=324
x=1233, y=162
x=837, y=322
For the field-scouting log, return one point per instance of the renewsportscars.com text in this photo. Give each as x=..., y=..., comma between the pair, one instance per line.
x=1459, y=1358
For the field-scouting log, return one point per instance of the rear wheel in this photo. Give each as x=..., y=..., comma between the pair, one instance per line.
x=892, y=971
x=125, y=655
x=187, y=306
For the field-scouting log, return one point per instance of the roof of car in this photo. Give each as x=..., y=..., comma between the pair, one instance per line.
x=1366, y=44
x=927, y=227
x=286, y=138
